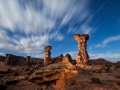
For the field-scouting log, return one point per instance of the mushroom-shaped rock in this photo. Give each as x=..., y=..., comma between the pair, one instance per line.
x=82, y=56
x=47, y=54
x=48, y=48
x=78, y=37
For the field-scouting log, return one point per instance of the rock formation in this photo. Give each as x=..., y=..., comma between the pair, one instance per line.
x=67, y=58
x=49, y=60
x=82, y=56
x=28, y=59
x=57, y=76
x=47, y=54
x=15, y=60
x=59, y=73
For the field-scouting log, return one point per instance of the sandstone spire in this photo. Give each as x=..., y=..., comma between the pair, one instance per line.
x=47, y=54
x=82, y=56
x=28, y=59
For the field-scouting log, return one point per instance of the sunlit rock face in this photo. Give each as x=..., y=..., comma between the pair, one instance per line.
x=56, y=75
x=67, y=58
x=49, y=60
x=47, y=54
x=82, y=56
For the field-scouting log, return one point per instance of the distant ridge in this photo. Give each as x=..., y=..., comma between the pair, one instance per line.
x=34, y=59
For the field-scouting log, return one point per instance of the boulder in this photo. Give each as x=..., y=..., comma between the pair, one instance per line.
x=95, y=80
x=54, y=75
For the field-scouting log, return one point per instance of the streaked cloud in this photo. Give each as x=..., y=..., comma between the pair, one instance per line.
x=113, y=57
x=27, y=26
x=2, y=54
x=108, y=40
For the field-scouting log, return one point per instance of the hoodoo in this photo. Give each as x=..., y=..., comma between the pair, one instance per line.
x=47, y=54
x=82, y=56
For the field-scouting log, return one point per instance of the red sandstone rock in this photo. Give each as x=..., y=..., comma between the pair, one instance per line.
x=82, y=56
x=67, y=58
x=59, y=73
x=47, y=54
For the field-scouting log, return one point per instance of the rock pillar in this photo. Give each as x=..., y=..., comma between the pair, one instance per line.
x=82, y=56
x=28, y=59
x=47, y=54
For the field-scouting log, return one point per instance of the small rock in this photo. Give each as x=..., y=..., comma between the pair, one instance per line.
x=95, y=80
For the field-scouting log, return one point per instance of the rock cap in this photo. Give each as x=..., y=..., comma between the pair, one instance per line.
x=48, y=48
x=79, y=36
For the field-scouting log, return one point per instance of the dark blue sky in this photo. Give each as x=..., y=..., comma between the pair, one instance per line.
x=27, y=26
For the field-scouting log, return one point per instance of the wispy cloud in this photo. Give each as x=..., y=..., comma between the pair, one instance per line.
x=86, y=28
x=108, y=40
x=113, y=57
x=3, y=54
x=27, y=26
x=83, y=17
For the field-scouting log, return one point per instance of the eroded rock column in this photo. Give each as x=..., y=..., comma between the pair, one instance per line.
x=82, y=56
x=47, y=54
x=28, y=59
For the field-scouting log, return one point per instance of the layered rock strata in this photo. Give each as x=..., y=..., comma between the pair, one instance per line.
x=56, y=75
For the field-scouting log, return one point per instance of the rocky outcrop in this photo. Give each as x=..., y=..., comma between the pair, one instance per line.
x=59, y=73
x=58, y=58
x=99, y=66
x=49, y=60
x=94, y=75
x=28, y=59
x=82, y=56
x=55, y=76
x=16, y=60
x=67, y=58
